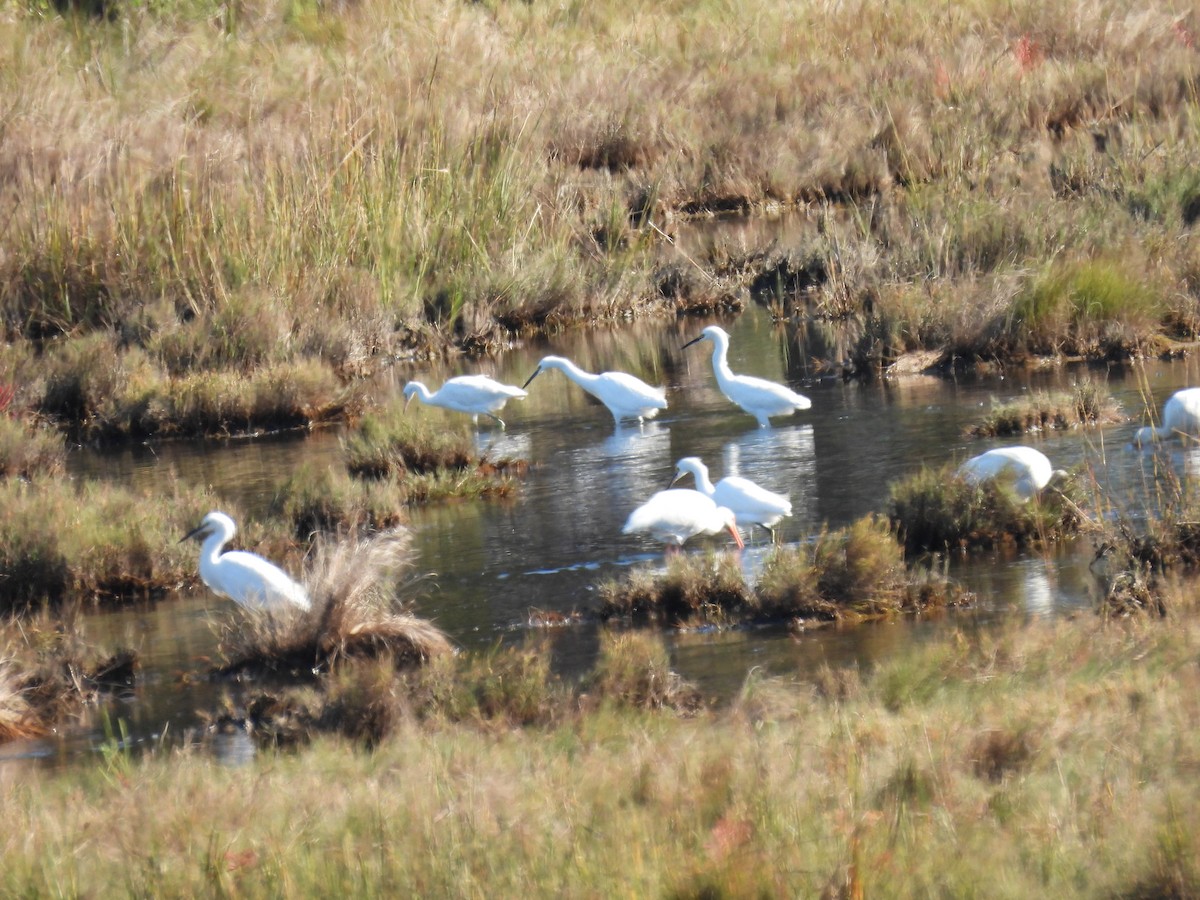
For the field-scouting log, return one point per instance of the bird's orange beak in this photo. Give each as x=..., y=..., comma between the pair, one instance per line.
x=737, y=538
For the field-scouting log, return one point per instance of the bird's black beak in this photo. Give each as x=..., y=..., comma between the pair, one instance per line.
x=678, y=475
x=535, y=374
x=194, y=533
x=693, y=341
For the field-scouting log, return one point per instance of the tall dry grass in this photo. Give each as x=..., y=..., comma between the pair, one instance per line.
x=1045, y=757
x=278, y=188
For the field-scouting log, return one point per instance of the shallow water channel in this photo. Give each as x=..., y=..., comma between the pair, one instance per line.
x=490, y=563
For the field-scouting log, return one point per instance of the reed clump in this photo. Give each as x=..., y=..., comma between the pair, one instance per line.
x=49, y=673
x=934, y=510
x=357, y=612
x=1086, y=404
x=694, y=590
x=427, y=462
x=326, y=499
x=634, y=670
x=848, y=574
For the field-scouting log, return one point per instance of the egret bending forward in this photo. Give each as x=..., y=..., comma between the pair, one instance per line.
x=245, y=578
x=674, y=516
x=625, y=396
x=757, y=396
x=1180, y=418
x=1028, y=470
x=476, y=395
x=751, y=504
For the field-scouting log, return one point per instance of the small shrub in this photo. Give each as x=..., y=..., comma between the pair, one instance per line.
x=28, y=449
x=934, y=510
x=635, y=670
x=1086, y=404
x=504, y=687
x=694, y=590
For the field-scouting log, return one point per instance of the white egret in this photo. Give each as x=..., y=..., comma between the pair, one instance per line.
x=476, y=395
x=245, y=578
x=757, y=396
x=1026, y=469
x=1180, y=418
x=625, y=396
x=750, y=503
x=675, y=515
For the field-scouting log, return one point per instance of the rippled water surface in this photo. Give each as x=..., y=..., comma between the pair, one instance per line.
x=493, y=562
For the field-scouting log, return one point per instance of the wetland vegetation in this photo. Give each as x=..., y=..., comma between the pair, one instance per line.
x=224, y=218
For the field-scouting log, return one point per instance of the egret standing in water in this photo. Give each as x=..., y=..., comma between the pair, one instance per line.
x=1180, y=419
x=750, y=503
x=245, y=578
x=476, y=395
x=674, y=516
x=1028, y=470
x=625, y=396
x=757, y=396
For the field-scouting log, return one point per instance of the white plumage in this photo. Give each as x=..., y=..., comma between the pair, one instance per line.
x=750, y=503
x=1026, y=469
x=674, y=516
x=245, y=578
x=1180, y=418
x=476, y=395
x=625, y=396
x=757, y=396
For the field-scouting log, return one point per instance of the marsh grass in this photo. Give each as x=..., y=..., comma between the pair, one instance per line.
x=358, y=611
x=1086, y=404
x=941, y=771
x=316, y=499
x=29, y=449
x=1094, y=307
x=850, y=574
x=514, y=189
x=96, y=389
x=367, y=699
x=933, y=510
x=634, y=670
x=845, y=575
x=429, y=462
x=49, y=673
x=92, y=542
x=694, y=590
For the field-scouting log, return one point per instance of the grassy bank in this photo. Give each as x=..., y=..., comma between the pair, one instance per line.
x=236, y=206
x=1054, y=758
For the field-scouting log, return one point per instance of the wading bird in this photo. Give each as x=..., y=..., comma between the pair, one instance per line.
x=757, y=396
x=1026, y=469
x=476, y=395
x=1180, y=418
x=625, y=396
x=673, y=516
x=245, y=578
x=751, y=504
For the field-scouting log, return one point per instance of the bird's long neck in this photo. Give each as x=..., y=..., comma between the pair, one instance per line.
x=703, y=483
x=421, y=391
x=720, y=361
x=576, y=374
x=210, y=550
